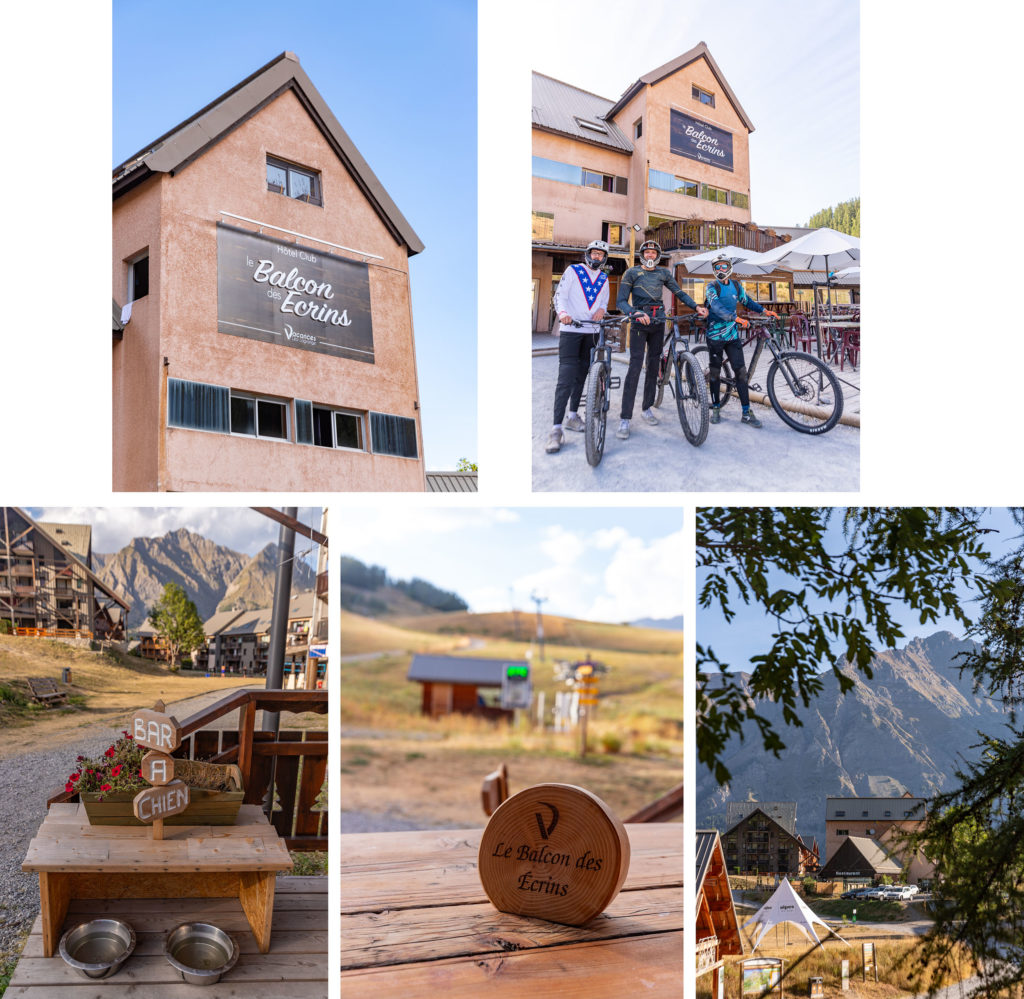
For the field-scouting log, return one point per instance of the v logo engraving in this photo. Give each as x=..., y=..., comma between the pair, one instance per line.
x=546, y=832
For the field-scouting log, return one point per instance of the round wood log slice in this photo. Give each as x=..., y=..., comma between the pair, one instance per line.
x=555, y=852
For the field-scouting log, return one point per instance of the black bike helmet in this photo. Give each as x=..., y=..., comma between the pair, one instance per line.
x=596, y=244
x=649, y=245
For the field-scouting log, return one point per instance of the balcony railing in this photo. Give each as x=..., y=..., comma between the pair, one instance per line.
x=701, y=234
x=707, y=954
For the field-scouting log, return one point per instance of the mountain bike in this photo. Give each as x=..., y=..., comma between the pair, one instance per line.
x=680, y=370
x=600, y=382
x=802, y=389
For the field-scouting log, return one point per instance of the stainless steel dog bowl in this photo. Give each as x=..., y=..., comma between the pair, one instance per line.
x=200, y=952
x=98, y=948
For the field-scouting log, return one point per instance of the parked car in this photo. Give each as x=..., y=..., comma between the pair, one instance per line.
x=876, y=892
x=900, y=893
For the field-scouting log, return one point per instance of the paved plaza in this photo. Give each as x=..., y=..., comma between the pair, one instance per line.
x=735, y=457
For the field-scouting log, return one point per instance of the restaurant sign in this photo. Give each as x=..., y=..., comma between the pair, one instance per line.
x=553, y=852
x=291, y=295
x=697, y=140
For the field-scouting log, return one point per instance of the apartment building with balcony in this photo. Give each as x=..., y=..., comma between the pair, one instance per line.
x=670, y=157
x=47, y=587
x=762, y=839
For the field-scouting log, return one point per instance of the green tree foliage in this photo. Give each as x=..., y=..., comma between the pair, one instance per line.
x=824, y=595
x=427, y=593
x=465, y=465
x=844, y=217
x=177, y=622
x=975, y=833
x=362, y=576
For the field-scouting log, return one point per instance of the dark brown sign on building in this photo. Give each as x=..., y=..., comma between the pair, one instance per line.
x=292, y=295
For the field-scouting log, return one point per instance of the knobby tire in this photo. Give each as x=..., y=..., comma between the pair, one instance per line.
x=597, y=413
x=816, y=387
x=691, y=398
x=727, y=380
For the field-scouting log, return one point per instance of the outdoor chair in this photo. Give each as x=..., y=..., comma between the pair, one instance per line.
x=494, y=789
x=801, y=336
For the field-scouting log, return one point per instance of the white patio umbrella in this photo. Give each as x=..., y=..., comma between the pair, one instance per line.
x=820, y=250
x=700, y=263
x=849, y=273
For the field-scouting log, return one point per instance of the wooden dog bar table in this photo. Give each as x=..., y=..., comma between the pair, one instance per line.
x=76, y=860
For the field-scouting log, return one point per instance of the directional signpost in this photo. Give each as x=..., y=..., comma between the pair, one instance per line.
x=586, y=686
x=161, y=735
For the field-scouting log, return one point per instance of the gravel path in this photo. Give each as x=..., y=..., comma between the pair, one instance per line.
x=26, y=781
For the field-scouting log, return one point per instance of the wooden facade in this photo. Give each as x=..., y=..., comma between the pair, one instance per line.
x=759, y=844
x=718, y=928
x=47, y=589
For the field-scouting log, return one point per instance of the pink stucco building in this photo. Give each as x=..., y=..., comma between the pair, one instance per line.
x=262, y=333
x=671, y=156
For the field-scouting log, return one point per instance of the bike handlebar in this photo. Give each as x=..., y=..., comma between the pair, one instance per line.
x=613, y=321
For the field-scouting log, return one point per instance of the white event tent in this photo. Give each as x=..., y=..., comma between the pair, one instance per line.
x=785, y=906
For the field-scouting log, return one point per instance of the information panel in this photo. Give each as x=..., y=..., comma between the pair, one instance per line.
x=697, y=140
x=291, y=295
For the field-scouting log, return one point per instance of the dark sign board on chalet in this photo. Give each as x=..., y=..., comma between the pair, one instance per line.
x=697, y=140
x=291, y=295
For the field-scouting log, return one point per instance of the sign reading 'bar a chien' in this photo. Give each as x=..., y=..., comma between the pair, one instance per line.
x=161, y=734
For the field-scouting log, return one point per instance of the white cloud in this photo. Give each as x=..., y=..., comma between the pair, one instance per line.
x=562, y=546
x=642, y=580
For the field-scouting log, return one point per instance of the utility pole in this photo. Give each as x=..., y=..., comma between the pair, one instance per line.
x=538, y=600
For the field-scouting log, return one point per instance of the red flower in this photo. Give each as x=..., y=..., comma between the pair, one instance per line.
x=90, y=772
x=75, y=776
x=116, y=770
x=109, y=752
x=68, y=788
x=140, y=773
x=106, y=787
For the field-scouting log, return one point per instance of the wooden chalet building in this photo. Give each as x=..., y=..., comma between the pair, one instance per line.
x=47, y=586
x=452, y=684
x=718, y=928
x=859, y=859
x=763, y=840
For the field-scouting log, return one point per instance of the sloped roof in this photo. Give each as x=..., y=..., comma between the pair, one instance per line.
x=781, y=812
x=301, y=605
x=97, y=583
x=700, y=50
x=559, y=107
x=455, y=669
x=859, y=856
x=175, y=150
x=451, y=482
x=75, y=538
x=216, y=624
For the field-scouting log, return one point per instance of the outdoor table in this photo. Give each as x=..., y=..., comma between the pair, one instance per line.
x=416, y=921
x=76, y=860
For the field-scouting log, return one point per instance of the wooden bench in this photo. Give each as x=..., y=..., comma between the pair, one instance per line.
x=44, y=691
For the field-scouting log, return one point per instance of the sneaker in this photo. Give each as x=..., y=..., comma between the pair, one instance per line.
x=555, y=440
x=650, y=418
x=716, y=414
x=623, y=432
x=749, y=418
x=574, y=422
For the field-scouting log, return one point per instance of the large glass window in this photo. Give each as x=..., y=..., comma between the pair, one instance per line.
x=738, y=200
x=669, y=182
x=393, y=435
x=326, y=427
x=198, y=406
x=293, y=181
x=256, y=417
x=569, y=174
x=709, y=193
x=348, y=430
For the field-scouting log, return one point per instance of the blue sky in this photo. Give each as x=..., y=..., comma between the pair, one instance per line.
x=238, y=528
x=408, y=105
x=606, y=565
x=793, y=65
x=751, y=631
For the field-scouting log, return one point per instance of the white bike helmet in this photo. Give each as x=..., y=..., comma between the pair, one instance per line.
x=644, y=262
x=597, y=244
x=721, y=267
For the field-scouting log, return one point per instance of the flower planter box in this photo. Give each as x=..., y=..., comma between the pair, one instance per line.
x=206, y=808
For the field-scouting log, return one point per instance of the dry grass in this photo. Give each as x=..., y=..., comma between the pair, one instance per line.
x=364, y=635
x=896, y=952
x=104, y=688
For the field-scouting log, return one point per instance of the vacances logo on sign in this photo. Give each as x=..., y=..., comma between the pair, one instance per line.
x=277, y=292
x=697, y=140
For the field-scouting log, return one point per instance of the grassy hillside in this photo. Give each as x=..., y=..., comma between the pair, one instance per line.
x=562, y=631
x=366, y=635
x=105, y=687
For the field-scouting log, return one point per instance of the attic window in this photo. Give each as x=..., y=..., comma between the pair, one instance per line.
x=704, y=96
x=594, y=126
x=840, y=815
x=293, y=181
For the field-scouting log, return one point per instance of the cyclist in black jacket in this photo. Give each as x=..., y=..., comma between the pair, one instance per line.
x=645, y=285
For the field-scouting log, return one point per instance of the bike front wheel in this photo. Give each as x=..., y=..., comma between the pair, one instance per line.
x=725, y=382
x=597, y=413
x=691, y=398
x=805, y=392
